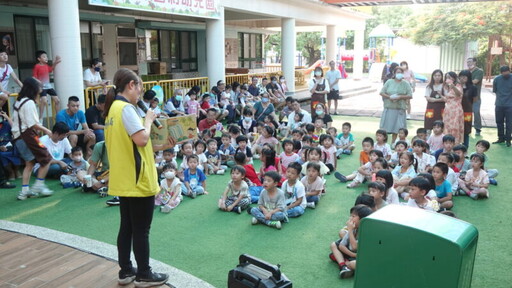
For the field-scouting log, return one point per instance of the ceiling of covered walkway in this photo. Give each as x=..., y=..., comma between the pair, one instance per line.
x=355, y=3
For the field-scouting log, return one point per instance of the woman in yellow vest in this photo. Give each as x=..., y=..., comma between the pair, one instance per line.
x=133, y=176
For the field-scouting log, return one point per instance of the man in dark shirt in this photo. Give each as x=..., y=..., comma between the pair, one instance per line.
x=502, y=87
x=95, y=119
x=253, y=88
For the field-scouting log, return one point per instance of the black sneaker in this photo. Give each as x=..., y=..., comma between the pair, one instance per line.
x=113, y=202
x=126, y=278
x=345, y=272
x=340, y=177
x=154, y=279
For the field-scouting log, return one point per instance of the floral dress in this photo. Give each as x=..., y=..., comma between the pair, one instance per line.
x=453, y=116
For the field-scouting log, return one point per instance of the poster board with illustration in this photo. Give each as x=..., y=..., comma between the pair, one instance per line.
x=181, y=129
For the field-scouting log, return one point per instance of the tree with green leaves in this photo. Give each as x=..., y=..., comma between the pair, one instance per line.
x=308, y=42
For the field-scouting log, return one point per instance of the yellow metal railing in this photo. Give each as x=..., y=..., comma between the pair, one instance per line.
x=149, y=84
x=246, y=78
x=91, y=94
x=169, y=86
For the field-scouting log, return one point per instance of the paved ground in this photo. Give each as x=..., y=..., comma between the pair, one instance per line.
x=370, y=104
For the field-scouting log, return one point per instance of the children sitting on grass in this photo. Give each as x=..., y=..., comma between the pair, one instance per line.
x=346, y=139
x=385, y=177
x=329, y=150
x=344, y=251
x=425, y=161
x=443, y=186
x=313, y=155
x=402, y=136
x=404, y=172
x=288, y=155
x=364, y=155
x=436, y=139
x=378, y=191
x=194, y=180
x=236, y=196
x=251, y=177
x=170, y=195
x=168, y=158
x=271, y=204
x=418, y=189
x=213, y=159
x=242, y=142
x=476, y=180
x=294, y=191
x=382, y=138
x=481, y=147
x=265, y=138
x=364, y=172
x=227, y=150
x=400, y=146
x=313, y=183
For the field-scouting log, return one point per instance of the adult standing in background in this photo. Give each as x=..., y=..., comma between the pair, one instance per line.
x=477, y=74
x=132, y=176
x=410, y=78
x=468, y=96
x=333, y=76
x=502, y=87
x=394, y=93
x=453, y=116
x=435, y=100
x=319, y=87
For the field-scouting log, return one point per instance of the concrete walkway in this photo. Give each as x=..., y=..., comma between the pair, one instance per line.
x=368, y=103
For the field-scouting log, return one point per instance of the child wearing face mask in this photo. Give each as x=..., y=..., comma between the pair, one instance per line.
x=77, y=164
x=170, y=190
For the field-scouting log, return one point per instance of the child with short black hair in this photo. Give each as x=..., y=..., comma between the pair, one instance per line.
x=385, y=177
x=476, y=182
x=363, y=173
x=443, y=187
x=297, y=134
x=236, y=196
x=425, y=161
x=241, y=142
x=307, y=141
x=41, y=72
x=187, y=150
x=213, y=159
x=319, y=129
x=77, y=161
x=364, y=155
x=402, y=136
x=346, y=139
x=449, y=160
x=200, y=147
x=481, y=147
x=294, y=191
x=344, y=251
x=378, y=191
x=421, y=133
x=314, y=155
x=400, y=146
x=170, y=190
x=448, y=143
x=194, y=180
x=419, y=188
x=313, y=184
x=436, y=138
x=382, y=138
x=404, y=172
x=329, y=150
x=310, y=131
x=226, y=150
x=168, y=158
x=271, y=204
x=463, y=164
x=288, y=155
x=247, y=124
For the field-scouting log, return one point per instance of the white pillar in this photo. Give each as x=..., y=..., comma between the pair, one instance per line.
x=65, y=38
x=215, y=54
x=358, y=54
x=330, y=47
x=288, y=44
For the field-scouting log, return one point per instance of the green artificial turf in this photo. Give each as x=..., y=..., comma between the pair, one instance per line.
x=203, y=241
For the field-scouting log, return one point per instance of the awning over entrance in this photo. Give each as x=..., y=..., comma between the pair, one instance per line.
x=353, y=3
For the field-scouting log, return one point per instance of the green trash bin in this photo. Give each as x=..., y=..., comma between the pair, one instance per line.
x=402, y=246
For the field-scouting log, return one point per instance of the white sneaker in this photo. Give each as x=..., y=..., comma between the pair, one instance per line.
x=23, y=196
x=256, y=156
x=311, y=205
x=165, y=208
x=254, y=221
x=408, y=116
x=220, y=172
x=42, y=190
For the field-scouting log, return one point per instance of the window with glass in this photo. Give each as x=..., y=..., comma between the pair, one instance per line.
x=250, y=50
x=177, y=48
x=33, y=33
